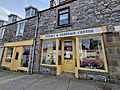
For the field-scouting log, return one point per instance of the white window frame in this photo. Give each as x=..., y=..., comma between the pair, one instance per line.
x=18, y=28
x=2, y=30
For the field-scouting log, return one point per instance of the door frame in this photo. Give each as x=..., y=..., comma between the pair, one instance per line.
x=73, y=52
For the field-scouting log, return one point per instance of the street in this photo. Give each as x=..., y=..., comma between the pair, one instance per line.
x=22, y=81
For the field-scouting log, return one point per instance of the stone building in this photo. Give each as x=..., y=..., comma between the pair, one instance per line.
x=80, y=37
x=19, y=41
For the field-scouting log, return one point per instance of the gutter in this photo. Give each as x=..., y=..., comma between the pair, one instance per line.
x=33, y=49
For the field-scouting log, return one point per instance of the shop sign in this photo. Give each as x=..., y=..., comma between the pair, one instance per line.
x=73, y=33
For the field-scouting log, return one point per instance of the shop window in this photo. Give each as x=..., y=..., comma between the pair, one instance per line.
x=64, y=16
x=68, y=50
x=20, y=29
x=1, y=54
x=49, y=52
x=91, y=53
x=25, y=56
x=9, y=55
x=60, y=53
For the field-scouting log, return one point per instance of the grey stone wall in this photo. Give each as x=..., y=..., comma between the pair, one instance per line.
x=85, y=14
x=112, y=46
x=29, y=31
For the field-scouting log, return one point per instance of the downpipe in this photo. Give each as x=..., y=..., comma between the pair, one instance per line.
x=33, y=49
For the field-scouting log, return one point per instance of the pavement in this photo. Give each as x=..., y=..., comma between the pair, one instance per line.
x=22, y=81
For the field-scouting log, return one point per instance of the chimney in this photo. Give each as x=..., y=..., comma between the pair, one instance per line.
x=52, y=3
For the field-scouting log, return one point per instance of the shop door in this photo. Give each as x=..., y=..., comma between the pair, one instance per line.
x=16, y=58
x=68, y=56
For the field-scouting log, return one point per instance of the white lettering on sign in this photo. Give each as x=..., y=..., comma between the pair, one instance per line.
x=72, y=33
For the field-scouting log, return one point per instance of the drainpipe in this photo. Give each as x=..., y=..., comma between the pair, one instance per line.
x=33, y=49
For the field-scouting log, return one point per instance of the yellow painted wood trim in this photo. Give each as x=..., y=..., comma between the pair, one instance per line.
x=96, y=70
x=47, y=65
x=57, y=47
x=20, y=43
x=104, y=29
x=5, y=65
x=77, y=52
x=23, y=68
x=105, y=60
x=13, y=57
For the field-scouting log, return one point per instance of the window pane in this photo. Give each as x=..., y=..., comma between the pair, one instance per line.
x=17, y=55
x=64, y=19
x=20, y=29
x=9, y=55
x=49, y=52
x=63, y=11
x=68, y=50
x=27, y=13
x=60, y=53
x=91, y=54
x=25, y=56
x=1, y=53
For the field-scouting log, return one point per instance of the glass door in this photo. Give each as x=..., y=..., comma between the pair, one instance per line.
x=68, y=56
x=16, y=58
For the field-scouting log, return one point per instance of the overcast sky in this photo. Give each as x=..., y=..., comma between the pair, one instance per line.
x=18, y=7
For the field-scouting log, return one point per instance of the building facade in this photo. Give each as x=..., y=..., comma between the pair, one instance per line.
x=77, y=36
x=80, y=37
x=19, y=41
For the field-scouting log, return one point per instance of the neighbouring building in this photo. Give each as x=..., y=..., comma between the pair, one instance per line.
x=76, y=36
x=80, y=37
x=19, y=41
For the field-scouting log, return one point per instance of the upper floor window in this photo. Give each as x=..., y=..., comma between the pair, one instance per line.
x=64, y=16
x=12, y=19
x=30, y=12
x=20, y=29
x=60, y=1
x=2, y=32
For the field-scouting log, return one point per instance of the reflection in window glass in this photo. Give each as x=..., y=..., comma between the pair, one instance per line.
x=9, y=55
x=49, y=52
x=25, y=56
x=68, y=50
x=91, y=54
x=59, y=52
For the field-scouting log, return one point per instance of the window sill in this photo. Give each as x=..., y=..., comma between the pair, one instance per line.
x=61, y=26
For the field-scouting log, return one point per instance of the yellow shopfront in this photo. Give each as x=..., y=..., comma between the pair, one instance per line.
x=75, y=50
x=17, y=55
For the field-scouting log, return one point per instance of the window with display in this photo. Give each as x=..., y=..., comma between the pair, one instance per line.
x=49, y=52
x=9, y=55
x=25, y=56
x=91, y=53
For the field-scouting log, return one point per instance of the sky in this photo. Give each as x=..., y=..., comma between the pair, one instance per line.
x=18, y=7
